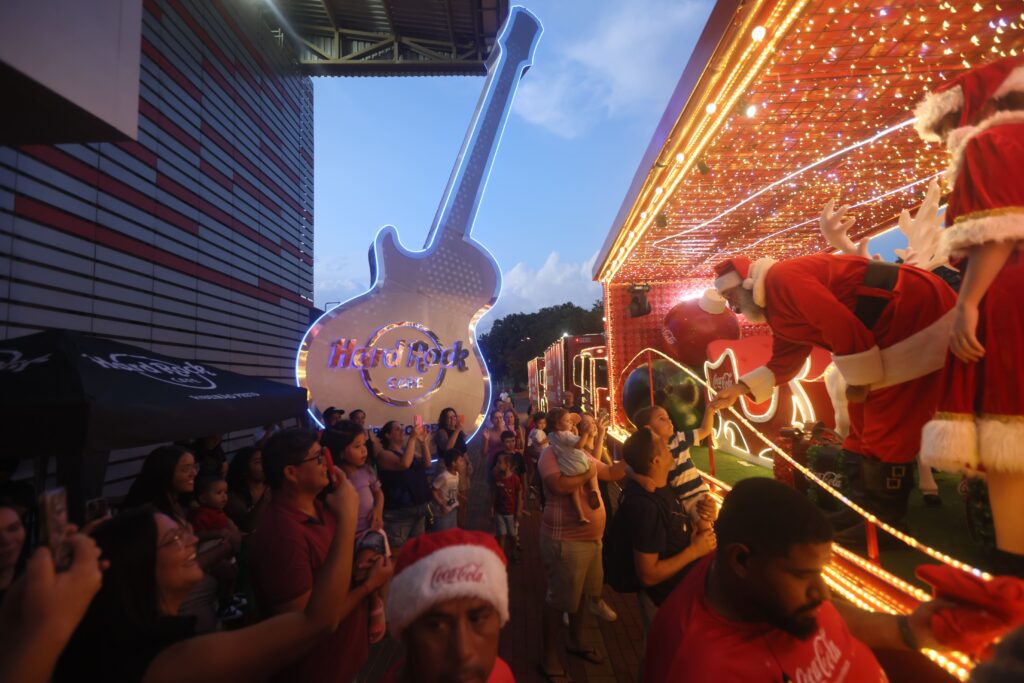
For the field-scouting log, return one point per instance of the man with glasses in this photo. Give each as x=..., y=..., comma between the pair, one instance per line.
x=292, y=543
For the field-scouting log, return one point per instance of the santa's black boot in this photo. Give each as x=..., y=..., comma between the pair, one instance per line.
x=853, y=470
x=887, y=488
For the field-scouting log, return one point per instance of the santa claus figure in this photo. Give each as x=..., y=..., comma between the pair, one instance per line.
x=980, y=422
x=884, y=324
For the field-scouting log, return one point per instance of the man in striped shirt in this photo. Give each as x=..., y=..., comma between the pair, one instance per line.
x=686, y=482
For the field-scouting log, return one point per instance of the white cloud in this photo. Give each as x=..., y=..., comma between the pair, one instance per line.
x=525, y=290
x=630, y=59
x=336, y=279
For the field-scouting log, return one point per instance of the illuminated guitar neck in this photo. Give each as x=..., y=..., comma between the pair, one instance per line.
x=511, y=57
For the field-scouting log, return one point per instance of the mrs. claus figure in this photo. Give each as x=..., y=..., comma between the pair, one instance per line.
x=980, y=424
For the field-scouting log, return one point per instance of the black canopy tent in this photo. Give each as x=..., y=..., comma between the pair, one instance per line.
x=77, y=396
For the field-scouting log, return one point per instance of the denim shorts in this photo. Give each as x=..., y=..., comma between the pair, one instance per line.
x=506, y=525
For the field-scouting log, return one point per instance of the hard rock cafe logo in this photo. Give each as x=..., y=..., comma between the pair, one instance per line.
x=182, y=374
x=401, y=364
x=14, y=362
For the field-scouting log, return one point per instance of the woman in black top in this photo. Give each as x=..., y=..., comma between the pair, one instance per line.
x=132, y=631
x=248, y=493
x=403, y=478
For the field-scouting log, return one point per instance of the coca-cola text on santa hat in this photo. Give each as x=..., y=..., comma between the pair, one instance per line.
x=433, y=568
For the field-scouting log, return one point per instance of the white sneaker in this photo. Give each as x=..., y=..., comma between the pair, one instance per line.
x=601, y=610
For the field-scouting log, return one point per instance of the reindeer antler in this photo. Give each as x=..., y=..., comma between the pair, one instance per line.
x=922, y=233
x=835, y=227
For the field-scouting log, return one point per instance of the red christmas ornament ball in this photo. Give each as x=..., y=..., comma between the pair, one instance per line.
x=691, y=325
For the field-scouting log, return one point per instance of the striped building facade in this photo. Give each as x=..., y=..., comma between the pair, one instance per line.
x=195, y=241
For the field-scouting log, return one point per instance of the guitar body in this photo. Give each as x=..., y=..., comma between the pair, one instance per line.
x=444, y=291
x=408, y=345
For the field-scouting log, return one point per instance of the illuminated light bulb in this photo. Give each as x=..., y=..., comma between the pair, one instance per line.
x=658, y=190
x=711, y=108
x=643, y=214
x=977, y=7
x=680, y=158
x=751, y=111
x=758, y=33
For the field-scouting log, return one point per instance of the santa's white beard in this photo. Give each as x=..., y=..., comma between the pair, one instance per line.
x=752, y=312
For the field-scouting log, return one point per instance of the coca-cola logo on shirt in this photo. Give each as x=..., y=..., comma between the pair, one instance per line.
x=471, y=572
x=823, y=667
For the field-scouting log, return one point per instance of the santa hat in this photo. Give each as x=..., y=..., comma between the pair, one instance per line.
x=731, y=273
x=712, y=302
x=969, y=93
x=445, y=565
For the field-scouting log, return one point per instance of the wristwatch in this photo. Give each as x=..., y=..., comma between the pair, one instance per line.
x=906, y=634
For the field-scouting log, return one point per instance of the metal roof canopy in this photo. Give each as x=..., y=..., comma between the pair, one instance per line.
x=392, y=37
x=825, y=79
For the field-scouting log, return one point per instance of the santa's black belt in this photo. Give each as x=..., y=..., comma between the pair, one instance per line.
x=878, y=275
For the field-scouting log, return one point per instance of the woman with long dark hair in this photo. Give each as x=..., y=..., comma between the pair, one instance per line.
x=13, y=549
x=449, y=435
x=167, y=482
x=132, y=631
x=402, y=469
x=248, y=493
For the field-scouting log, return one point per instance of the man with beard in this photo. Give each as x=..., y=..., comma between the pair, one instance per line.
x=447, y=604
x=758, y=610
x=887, y=327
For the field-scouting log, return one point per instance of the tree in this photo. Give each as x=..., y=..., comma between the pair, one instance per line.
x=516, y=338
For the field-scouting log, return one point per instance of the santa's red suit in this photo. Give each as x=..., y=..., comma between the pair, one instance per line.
x=814, y=301
x=980, y=423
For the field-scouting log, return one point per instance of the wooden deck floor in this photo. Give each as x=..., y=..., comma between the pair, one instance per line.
x=621, y=640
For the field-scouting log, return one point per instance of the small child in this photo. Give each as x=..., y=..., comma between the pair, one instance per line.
x=210, y=522
x=572, y=461
x=687, y=485
x=508, y=506
x=370, y=545
x=347, y=444
x=446, y=492
x=535, y=443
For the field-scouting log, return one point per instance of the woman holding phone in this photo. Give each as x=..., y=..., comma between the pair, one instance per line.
x=402, y=466
x=450, y=435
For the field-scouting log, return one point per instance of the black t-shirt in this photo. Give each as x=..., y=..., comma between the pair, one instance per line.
x=109, y=650
x=659, y=526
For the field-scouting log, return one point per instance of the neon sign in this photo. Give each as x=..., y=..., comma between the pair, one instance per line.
x=401, y=364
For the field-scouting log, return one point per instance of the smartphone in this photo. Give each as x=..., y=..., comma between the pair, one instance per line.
x=418, y=421
x=462, y=420
x=602, y=414
x=97, y=508
x=53, y=510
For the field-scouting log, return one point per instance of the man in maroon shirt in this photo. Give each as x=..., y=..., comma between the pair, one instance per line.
x=290, y=547
x=758, y=610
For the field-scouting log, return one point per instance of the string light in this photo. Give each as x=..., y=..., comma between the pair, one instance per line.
x=822, y=76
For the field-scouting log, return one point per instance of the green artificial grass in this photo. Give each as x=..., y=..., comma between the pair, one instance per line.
x=944, y=528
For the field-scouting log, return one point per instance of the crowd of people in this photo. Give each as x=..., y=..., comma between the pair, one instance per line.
x=290, y=558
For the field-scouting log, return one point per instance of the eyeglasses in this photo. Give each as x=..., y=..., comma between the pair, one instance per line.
x=319, y=457
x=178, y=538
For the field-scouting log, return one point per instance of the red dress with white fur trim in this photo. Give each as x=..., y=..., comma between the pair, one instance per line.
x=980, y=421
x=810, y=301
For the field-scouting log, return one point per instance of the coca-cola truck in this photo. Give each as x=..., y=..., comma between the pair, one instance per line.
x=535, y=373
x=560, y=359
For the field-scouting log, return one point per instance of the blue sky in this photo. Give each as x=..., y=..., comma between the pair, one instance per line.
x=585, y=112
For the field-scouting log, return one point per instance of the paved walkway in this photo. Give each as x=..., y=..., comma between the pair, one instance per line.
x=622, y=640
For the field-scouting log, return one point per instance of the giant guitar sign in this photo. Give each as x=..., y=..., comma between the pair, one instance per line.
x=408, y=345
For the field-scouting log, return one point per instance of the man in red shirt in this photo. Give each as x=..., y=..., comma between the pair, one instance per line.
x=292, y=544
x=758, y=610
x=447, y=604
